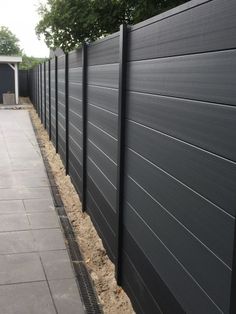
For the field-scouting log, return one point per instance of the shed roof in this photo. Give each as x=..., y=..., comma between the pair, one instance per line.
x=10, y=59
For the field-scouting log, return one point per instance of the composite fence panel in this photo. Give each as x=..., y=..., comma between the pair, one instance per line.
x=75, y=118
x=40, y=91
x=23, y=83
x=33, y=87
x=47, y=96
x=53, y=101
x=61, y=108
x=43, y=94
x=102, y=109
x=37, y=90
x=180, y=159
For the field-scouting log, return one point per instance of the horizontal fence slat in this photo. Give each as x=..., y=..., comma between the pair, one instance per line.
x=75, y=58
x=101, y=180
x=198, y=123
x=103, y=162
x=104, y=51
x=103, y=97
x=103, y=141
x=198, y=30
x=206, y=77
x=103, y=119
x=103, y=75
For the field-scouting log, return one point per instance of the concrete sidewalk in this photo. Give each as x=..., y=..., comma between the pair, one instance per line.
x=36, y=276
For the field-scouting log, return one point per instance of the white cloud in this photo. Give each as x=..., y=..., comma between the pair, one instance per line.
x=21, y=17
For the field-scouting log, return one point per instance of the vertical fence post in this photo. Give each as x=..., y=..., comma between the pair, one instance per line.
x=32, y=86
x=67, y=111
x=49, y=99
x=56, y=102
x=84, y=119
x=37, y=89
x=233, y=277
x=42, y=88
x=121, y=149
x=45, y=95
x=41, y=93
x=27, y=84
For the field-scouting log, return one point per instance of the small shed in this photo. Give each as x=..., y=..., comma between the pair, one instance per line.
x=9, y=76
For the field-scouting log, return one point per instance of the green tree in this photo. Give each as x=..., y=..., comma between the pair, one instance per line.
x=68, y=23
x=29, y=62
x=9, y=43
x=65, y=23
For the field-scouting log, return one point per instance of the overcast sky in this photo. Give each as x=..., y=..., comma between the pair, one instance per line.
x=21, y=17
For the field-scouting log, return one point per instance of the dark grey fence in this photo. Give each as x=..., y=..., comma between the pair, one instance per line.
x=47, y=92
x=23, y=83
x=102, y=126
x=145, y=123
x=61, y=108
x=75, y=124
x=53, y=96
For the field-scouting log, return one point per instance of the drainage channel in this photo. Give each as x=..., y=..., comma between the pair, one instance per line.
x=84, y=281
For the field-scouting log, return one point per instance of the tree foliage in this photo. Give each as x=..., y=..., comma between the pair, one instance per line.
x=29, y=62
x=9, y=43
x=68, y=23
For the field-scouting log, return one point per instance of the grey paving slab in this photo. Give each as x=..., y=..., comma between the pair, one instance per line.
x=38, y=205
x=31, y=182
x=18, y=268
x=6, y=179
x=57, y=264
x=3, y=154
x=20, y=164
x=14, y=139
x=26, y=298
x=14, y=222
x=29, y=179
x=33, y=156
x=5, y=164
x=20, y=146
x=21, y=193
x=66, y=296
x=12, y=207
x=48, y=239
x=43, y=220
x=4, y=158
x=19, y=174
x=16, y=242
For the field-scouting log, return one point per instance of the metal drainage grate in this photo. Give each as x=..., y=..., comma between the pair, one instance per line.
x=86, y=288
